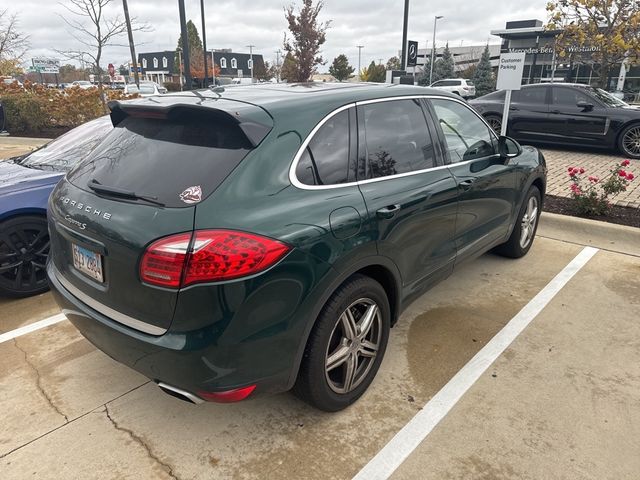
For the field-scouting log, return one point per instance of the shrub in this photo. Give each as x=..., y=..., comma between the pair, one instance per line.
x=592, y=197
x=172, y=86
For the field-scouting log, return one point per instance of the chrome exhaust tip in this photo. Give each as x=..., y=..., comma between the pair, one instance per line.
x=179, y=393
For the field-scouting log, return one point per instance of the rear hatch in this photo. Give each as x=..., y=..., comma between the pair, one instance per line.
x=142, y=183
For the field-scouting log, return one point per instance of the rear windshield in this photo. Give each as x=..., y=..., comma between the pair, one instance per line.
x=470, y=83
x=176, y=162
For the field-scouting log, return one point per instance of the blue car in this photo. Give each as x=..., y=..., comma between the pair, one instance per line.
x=25, y=185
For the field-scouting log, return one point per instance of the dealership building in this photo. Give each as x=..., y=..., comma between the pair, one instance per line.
x=531, y=37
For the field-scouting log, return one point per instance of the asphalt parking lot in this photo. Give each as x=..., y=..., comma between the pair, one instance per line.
x=560, y=402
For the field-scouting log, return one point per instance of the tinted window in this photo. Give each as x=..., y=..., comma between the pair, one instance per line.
x=569, y=96
x=325, y=161
x=470, y=83
x=64, y=152
x=535, y=95
x=397, y=138
x=467, y=136
x=164, y=157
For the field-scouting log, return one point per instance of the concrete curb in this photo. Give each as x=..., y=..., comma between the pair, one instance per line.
x=607, y=236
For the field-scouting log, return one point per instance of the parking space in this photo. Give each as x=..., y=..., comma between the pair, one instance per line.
x=571, y=379
x=13, y=146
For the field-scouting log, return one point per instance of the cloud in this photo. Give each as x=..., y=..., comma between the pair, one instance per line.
x=376, y=24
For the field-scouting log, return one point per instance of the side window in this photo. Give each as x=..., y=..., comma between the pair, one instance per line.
x=534, y=95
x=223, y=62
x=438, y=84
x=467, y=137
x=569, y=96
x=325, y=161
x=397, y=138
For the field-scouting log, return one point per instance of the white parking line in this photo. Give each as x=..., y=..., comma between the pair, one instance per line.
x=5, y=337
x=413, y=433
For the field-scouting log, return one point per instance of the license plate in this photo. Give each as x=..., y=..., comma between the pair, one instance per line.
x=87, y=262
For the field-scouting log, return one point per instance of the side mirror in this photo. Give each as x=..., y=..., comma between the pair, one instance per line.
x=508, y=147
x=585, y=106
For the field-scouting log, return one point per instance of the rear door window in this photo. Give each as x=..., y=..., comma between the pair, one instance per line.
x=163, y=158
x=532, y=96
x=569, y=96
x=325, y=160
x=397, y=138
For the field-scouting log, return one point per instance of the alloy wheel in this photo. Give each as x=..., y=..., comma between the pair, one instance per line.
x=631, y=141
x=23, y=255
x=529, y=220
x=495, y=123
x=353, y=345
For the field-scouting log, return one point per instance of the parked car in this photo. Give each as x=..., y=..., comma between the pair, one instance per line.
x=84, y=84
x=147, y=89
x=25, y=185
x=459, y=86
x=234, y=242
x=566, y=114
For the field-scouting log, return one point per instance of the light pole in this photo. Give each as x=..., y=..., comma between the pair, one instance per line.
x=213, y=67
x=205, y=77
x=278, y=66
x=433, y=46
x=405, y=24
x=185, y=46
x=132, y=46
x=360, y=47
x=251, y=56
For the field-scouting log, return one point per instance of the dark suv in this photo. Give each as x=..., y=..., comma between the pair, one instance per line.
x=254, y=239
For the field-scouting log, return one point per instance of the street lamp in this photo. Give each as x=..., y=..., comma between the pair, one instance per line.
x=360, y=47
x=433, y=46
x=251, y=56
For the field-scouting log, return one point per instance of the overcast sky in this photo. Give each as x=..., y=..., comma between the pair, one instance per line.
x=376, y=24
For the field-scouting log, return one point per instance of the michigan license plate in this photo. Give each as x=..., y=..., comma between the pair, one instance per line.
x=87, y=262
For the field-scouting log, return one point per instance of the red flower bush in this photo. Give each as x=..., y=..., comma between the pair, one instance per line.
x=593, y=197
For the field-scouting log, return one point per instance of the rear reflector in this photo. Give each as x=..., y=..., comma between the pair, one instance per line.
x=229, y=396
x=216, y=255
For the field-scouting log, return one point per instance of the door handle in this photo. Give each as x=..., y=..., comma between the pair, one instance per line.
x=555, y=111
x=514, y=108
x=467, y=184
x=388, y=211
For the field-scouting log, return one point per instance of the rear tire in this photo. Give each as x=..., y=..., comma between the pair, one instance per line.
x=346, y=346
x=495, y=122
x=524, y=231
x=24, y=246
x=629, y=141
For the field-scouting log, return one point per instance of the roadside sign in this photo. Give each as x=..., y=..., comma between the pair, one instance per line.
x=510, y=70
x=412, y=53
x=45, y=65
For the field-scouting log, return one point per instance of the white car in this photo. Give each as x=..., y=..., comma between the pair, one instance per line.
x=459, y=86
x=83, y=84
x=147, y=89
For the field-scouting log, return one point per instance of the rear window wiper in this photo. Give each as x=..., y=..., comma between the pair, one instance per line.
x=97, y=187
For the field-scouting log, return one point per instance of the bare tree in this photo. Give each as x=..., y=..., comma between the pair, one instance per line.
x=91, y=27
x=13, y=43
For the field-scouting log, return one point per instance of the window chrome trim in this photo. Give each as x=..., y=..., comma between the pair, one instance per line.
x=298, y=184
x=108, y=311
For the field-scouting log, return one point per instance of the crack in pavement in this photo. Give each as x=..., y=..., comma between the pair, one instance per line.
x=140, y=442
x=39, y=382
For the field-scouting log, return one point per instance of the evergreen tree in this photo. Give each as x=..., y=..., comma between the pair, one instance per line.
x=444, y=66
x=307, y=36
x=423, y=78
x=483, y=76
x=373, y=73
x=195, y=47
x=340, y=68
x=289, y=69
x=393, y=63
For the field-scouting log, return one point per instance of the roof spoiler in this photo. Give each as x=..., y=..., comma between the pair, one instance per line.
x=254, y=131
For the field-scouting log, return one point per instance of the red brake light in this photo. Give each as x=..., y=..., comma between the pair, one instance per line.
x=163, y=261
x=216, y=255
x=228, y=396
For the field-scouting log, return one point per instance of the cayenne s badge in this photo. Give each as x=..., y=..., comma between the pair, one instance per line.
x=192, y=194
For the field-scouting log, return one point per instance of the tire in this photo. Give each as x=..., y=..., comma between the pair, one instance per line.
x=494, y=122
x=629, y=141
x=24, y=246
x=331, y=387
x=519, y=243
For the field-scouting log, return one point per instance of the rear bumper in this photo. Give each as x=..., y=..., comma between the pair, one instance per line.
x=193, y=361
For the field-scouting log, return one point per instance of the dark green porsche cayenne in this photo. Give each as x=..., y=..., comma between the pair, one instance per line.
x=227, y=243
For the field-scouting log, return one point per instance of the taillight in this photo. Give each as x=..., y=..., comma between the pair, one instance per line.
x=216, y=255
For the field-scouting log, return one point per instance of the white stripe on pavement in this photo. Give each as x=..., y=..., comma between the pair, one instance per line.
x=32, y=327
x=413, y=433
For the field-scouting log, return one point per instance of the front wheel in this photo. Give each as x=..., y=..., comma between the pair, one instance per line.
x=525, y=228
x=629, y=141
x=346, y=346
